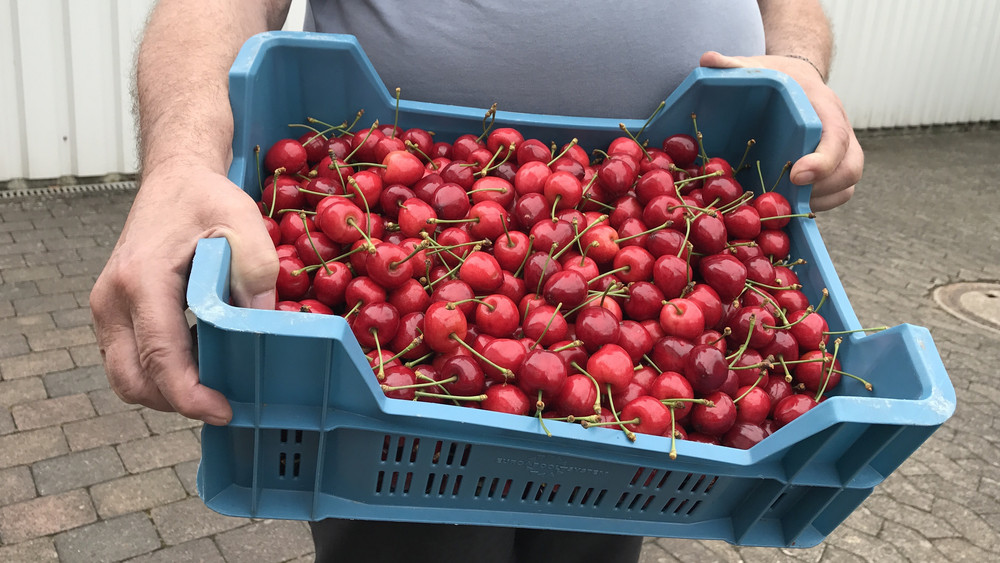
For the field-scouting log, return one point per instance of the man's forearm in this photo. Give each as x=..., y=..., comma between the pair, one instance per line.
x=182, y=77
x=798, y=28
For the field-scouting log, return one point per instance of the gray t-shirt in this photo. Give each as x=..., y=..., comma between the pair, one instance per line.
x=598, y=59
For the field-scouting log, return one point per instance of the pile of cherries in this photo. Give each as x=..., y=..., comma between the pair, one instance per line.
x=639, y=287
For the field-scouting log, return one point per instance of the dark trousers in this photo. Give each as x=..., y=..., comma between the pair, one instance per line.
x=351, y=541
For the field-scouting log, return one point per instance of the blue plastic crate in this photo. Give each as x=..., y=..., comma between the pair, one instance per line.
x=314, y=437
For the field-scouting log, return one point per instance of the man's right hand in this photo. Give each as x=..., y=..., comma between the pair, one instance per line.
x=138, y=302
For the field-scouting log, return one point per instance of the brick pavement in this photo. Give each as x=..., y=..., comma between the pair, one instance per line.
x=85, y=477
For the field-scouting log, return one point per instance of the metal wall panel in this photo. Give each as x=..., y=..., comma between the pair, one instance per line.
x=902, y=63
x=65, y=74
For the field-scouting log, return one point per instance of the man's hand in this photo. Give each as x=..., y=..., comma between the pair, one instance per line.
x=836, y=165
x=138, y=301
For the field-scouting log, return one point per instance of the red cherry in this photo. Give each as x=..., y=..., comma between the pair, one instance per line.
x=545, y=323
x=507, y=399
x=774, y=243
x=285, y=153
x=754, y=405
x=808, y=328
x=682, y=318
x=577, y=396
x=375, y=321
x=743, y=435
x=330, y=283
x=815, y=372
x=714, y=420
x=441, y=320
x=634, y=339
x=482, y=272
x=497, y=316
x=672, y=385
x=725, y=273
x=568, y=287
x=542, y=371
x=506, y=353
x=682, y=148
x=611, y=365
x=772, y=204
x=705, y=368
x=292, y=283
x=792, y=407
x=595, y=327
x=653, y=416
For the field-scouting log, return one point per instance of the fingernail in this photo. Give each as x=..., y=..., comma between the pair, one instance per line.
x=215, y=420
x=264, y=300
x=804, y=178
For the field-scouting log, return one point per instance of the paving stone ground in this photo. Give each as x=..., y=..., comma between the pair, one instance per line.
x=85, y=477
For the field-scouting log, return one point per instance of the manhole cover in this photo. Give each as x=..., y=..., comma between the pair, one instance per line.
x=974, y=302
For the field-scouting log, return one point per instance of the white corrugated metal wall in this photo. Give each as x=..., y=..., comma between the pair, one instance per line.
x=65, y=68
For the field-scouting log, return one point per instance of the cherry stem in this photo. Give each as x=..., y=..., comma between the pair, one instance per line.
x=699, y=137
x=472, y=398
x=444, y=390
x=822, y=299
x=423, y=385
x=760, y=377
x=682, y=402
x=611, y=406
x=378, y=347
x=416, y=342
x=452, y=304
x=599, y=203
x=597, y=387
x=867, y=385
x=548, y=258
x=784, y=366
x=673, y=433
x=576, y=238
x=739, y=352
x=651, y=362
x=547, y=325
x=872, y=329
x=353, y=223
x=785, y=168
x=416, y=250
x=507, y=373
x=677, y=308
x=649, y=120
x=416, y=148
x=555, y=203
x=744, y=198
x=256, y=154
x=829, y=372
x=809, y=215
x=774, y=287
x=354, y=309
x=570, y=346
x=531, y=242
x=491, y=115
x=419, y=360
x=609, y=273
x=633, y=137
x=305, y=226
x=646, y=232
x=491, y=167
x=591, y=299
x=361, y=144
x=777, y=308
x=539, y=405
x=565, y=150
x=746, y=152
x=274, y=192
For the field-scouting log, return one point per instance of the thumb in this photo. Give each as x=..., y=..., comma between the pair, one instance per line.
x=713, y=59
x=254, y=262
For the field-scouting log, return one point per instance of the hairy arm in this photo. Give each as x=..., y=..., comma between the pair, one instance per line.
x=799, y=42
x=185, y=130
